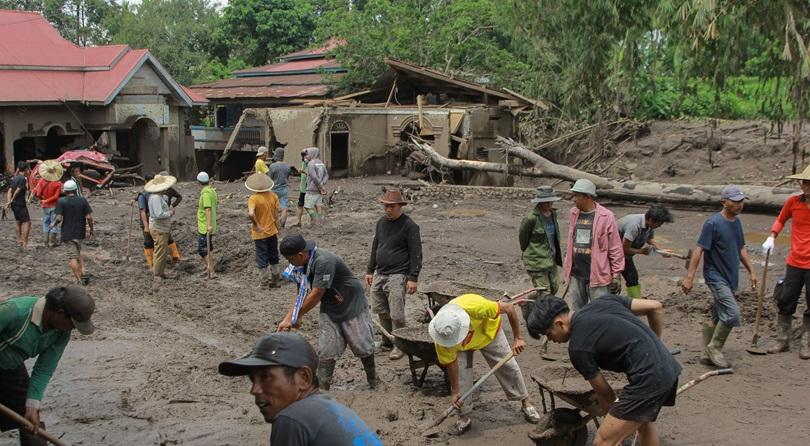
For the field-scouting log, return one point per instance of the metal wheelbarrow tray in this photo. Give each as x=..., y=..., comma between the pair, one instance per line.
x=415, y=342
x=441, y=292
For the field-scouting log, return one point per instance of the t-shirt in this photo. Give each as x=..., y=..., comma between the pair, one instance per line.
x=160, y=216
x=260, y=166
x=634, y=228
x=583, y=238
x=796, y=209
x=606, y=335
x=265, y=207
x=344, y=298
x=48, y=193
x=279, y=171
x=485, y=320
x=722, y=240
x=318, y=420
x=19, y=182
x=74, y=210
x=208, y=199
x=303, y=186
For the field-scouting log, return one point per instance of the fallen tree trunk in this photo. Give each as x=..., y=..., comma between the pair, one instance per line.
x=760, y=197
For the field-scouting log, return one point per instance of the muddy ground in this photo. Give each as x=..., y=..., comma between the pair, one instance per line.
x=148, y=375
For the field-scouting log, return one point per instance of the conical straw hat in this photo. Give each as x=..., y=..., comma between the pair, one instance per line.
x=800, y=176
x=51, y=170
x=159, y=183
x=259, y=182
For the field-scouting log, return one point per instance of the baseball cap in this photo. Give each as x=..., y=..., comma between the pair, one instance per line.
x=203, y=177
x=69, y=186
x=284, y=349
x=293, y=244
x=733, y=193
x=79, y=307
x=542, y=314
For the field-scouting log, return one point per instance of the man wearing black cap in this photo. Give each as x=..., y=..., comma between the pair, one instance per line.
x=606, y=334
x=40, y=327
x=282, y=368
x=344, y=318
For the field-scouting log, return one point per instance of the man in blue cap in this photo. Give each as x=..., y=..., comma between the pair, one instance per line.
x=723, y=243
x=282, y=369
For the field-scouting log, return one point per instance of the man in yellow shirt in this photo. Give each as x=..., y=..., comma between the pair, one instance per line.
x=261, y=156
x=263, y=209
x=471, y=322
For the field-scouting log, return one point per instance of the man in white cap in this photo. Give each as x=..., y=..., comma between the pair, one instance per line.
x=471, y=322
x=261, y=156
x=75, y=215
x=723, y=243
x=797, y=270
x=593, y=256
x=206, y=221
x=263, y=209
x=160, y=220
x=37, y=327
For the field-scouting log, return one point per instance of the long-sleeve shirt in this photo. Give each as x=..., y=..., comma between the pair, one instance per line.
x=607, y=255
x=541, y=249
x=396, y=248
x=317, y=176
x=48, y=193
x=160, y=216
x=796, y=208
x=22, y=337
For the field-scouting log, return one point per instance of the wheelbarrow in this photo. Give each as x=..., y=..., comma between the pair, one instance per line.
x=415, y=342
x=442, y=291
x=561, y=426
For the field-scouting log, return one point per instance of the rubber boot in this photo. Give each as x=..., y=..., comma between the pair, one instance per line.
x=388, y=325
x=264, y=275
x=175, y=253
x=274, y=276
x=149, y=254
x=804, y=350
x=783, y=324
x=715, y=348
x=53, y=239
x=46, y=240
x=395, y=352
x=708, y=332
x=29, y=439
x=326, y=368
x=371, y=371
x=634, y=291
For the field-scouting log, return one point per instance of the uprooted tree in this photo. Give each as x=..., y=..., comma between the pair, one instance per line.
x=760, y=197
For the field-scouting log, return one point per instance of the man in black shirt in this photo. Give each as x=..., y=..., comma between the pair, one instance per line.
x=15, y=199
x=344, y=316
x=282, y=368
x=394, y=265
x=606, y=334
x=75, y=215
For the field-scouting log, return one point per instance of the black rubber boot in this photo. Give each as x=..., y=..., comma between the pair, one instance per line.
x=29, y=439
x=326, y=369
x=371, y=371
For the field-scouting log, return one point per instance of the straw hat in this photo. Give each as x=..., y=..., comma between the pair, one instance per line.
x=159, y=183
x=51, y=170
x=259, y=182
x=392, y=196
x=450, y=326
x=805, y=175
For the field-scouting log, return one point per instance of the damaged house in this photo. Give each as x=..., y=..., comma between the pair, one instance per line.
x=56, y=96
x=358, y=133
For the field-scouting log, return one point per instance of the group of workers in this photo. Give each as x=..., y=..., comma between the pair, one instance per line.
x=601, y=327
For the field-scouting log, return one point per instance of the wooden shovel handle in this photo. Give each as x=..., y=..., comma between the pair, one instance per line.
x=25, y=424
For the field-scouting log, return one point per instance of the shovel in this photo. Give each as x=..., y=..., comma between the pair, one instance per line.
x=129, y=232
x=754, y=348
x=25, y=424
x=429, y=429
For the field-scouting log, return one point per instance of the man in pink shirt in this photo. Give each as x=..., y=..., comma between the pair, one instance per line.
x=593, y=255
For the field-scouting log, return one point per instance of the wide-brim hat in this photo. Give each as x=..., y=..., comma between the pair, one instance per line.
x=450, y=326
x=392, y=197
x=51, y=170
x=259, y=182
x=159, y=183
x=545, y=194
x=805, y=175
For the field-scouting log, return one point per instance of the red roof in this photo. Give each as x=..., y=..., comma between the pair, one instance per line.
x=37, y=65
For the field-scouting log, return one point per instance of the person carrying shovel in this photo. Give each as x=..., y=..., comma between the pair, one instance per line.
x=797, y=271
x=607, y=334
x=637, y=232
x=472, y=323
x=37, y=327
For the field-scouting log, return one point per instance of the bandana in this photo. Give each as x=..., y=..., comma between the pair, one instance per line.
x=298, y=275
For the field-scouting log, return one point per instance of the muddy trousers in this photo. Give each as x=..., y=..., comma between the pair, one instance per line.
x=509, y=375
x=161, y=240
x=14, y=384
x=334, y=337
x=795, y=280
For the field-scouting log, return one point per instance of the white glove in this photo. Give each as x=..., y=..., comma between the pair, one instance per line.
x=767, y=245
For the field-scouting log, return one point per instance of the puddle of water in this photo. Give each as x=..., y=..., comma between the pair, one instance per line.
x=759, y=237
x=465, y=212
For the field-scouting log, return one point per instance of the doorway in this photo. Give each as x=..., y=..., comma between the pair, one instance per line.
x=339, y=150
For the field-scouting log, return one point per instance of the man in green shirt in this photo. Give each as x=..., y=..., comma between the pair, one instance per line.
x=40, y=327
x=206, y=221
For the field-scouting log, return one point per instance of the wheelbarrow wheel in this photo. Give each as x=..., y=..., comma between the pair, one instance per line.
x=556, y=429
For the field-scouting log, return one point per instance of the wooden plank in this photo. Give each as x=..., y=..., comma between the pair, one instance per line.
x=455, y=121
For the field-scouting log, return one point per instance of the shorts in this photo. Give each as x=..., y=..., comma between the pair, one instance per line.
x=281, y=193
x=725, y=308
x=646, y=410
x=74, y=248
x=313, y=200
x=20, y=212
x=334, y=336
x=301, y=199
x=202, y=244
x=388, y=295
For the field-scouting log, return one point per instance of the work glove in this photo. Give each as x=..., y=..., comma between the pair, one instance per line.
x=767, y=245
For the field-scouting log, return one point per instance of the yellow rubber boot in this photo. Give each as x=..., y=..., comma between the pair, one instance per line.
x=175, y=253
x=148, y=253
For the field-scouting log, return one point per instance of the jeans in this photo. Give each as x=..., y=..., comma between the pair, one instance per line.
x=582, y=292
x=266, y=251
x=725, y=308
x=48, y=217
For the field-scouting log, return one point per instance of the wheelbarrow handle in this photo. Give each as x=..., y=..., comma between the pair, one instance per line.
x=519, y=297
x=704, y=377
x=383, y=331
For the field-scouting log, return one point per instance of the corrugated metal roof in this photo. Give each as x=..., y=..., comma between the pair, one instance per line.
x=295, y=66
x=267, y=81
x=314, y=52
x=278, y=91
